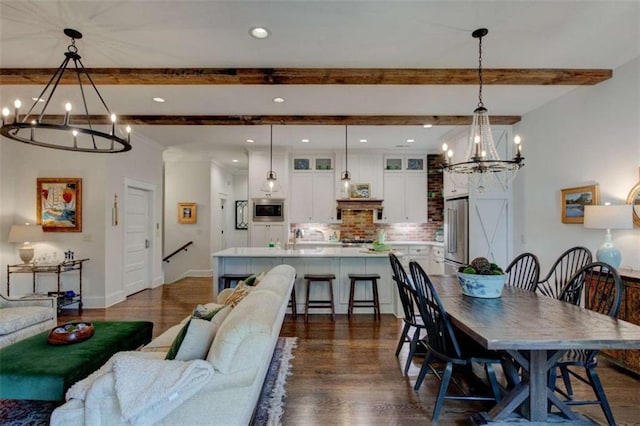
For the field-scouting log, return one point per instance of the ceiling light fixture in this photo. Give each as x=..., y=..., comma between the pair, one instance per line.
x=271, y=184
x=158, y=100
x=259, y=32
x=427, y=126
x=278, y=100
x=304, y=140
x=69, y=135
x=411, y=140
x=363, y=141
x=250, y=141
x=234, y=161
x=482, y=163
x=346, y=176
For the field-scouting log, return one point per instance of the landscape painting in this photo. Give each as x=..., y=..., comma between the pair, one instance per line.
x=574, y=200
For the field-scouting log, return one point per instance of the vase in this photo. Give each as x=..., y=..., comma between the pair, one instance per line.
x=483, y=286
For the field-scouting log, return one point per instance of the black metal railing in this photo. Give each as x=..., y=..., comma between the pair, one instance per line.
x=184, y=247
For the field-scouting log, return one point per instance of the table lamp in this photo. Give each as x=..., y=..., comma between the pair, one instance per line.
x=608, y=217
x=26, y=234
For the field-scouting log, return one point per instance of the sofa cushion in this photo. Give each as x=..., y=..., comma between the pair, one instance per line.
x=253, y=318
x=16, y=318
x=195, y=335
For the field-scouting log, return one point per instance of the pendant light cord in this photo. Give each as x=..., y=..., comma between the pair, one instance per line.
x=346, y=157
x=271, y=148
x=480, y=103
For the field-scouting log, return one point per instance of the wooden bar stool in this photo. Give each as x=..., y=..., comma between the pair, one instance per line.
x=364, y=303
x=292, y=303
x=227, y=279
x=309, y=303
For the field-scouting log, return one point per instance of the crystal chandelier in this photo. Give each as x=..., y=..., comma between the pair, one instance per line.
x=271, y=184
x=482, y=164
x=68, y=132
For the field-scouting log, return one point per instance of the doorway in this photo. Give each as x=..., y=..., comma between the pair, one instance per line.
x=138, y=209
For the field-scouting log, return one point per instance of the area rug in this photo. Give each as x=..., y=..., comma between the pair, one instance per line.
x=269, y=409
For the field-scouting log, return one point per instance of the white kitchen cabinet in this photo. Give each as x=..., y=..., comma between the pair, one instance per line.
x=313, y=197
x=262, y=234
x=259, y=165
x=364, y=168
x=458, y=184
x=420, y=255
x=405, y=196
x=436, y=261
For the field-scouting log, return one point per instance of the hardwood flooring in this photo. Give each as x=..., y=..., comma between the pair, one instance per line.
x=345, y=372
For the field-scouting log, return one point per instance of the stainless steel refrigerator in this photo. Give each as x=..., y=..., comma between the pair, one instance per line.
x=456, y=234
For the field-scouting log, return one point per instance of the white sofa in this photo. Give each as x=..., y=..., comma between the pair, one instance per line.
x=22, y=318
x=240, y=354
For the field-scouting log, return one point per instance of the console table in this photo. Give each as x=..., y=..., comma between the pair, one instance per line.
x=58, y=269
x=629, y=311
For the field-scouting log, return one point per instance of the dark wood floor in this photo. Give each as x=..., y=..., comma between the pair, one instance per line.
x=345, y=372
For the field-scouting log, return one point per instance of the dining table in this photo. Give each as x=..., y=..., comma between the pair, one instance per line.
x=535, y=331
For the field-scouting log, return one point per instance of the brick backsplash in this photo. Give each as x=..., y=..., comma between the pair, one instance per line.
x=361, y=224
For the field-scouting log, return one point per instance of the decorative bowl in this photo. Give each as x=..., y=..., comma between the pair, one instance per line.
x=72, y=332
x=483, y=286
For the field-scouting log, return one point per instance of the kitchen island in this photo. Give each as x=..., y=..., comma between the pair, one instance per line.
x=340, y=261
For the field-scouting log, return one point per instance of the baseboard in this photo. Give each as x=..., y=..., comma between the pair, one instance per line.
x=202, y=273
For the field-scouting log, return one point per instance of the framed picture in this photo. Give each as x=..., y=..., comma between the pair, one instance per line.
x=360, y=190
x=574, y=200
x=59, y=204
x=187, y=213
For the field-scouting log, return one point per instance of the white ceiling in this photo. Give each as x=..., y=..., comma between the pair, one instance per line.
x=324, y=34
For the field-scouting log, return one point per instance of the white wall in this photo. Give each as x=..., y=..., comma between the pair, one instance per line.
x=591, y=135
x=102, y=177
x=188, y=182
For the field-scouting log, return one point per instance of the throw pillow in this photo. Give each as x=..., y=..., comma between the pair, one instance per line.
x=215, y=317
x=254, y=279
x=239, y=293
x=197, y=340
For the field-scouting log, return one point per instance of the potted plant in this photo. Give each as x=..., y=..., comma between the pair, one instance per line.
x=481, y=278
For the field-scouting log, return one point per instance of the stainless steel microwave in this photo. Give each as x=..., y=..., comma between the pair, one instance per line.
x=268, y=210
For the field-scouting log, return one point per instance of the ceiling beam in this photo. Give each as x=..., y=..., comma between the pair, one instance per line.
x=316, y=120
x=304, y=76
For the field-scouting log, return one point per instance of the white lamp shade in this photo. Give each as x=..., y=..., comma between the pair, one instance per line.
x=609, y=217
x=25, y=233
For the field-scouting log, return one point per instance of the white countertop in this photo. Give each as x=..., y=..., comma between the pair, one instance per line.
x=301, y=252
x=391, y=243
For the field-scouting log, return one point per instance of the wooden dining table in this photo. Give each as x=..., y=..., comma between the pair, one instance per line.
x=536, y=331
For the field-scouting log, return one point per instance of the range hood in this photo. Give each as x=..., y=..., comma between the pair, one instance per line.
x=359, y=204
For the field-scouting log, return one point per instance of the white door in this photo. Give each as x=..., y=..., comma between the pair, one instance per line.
x=137, y=240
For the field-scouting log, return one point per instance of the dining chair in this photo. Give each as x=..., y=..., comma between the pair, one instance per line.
x=442, y=345
x=599, y=287
x=562, y=270
x=411, y=318
x=524, y=272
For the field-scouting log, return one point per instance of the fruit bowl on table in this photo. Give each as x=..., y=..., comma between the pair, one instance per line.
x=72, y=332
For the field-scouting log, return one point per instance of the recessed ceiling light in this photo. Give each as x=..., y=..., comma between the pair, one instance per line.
x=411, y=140
x=158, y=100
x=278, y=100
x=304, y=140
x=234, y=161
x=427, y=126
x=259, y=32
x=363, y=140
x=250, y=141
x=37, y=99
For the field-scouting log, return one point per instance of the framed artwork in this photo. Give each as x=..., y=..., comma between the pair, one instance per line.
x=242, y=214
x=187, y=213
x=574, y=200
x=360, y=190
x=59, y=204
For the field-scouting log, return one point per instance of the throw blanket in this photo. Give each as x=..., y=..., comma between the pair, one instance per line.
x=147, y=389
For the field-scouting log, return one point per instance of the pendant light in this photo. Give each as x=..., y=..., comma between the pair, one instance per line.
x=67, y=132
x=482, y=163
x=271, y=184
x=346, y=176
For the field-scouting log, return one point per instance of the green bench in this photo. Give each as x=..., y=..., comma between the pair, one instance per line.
x=34, y=369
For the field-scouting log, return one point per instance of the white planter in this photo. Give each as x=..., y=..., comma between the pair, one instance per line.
x=483, y=286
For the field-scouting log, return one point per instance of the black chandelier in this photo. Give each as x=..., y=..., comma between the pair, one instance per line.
x=68, y=132
x=482, y=158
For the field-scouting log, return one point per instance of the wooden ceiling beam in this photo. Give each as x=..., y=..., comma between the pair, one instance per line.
x=316, y=120
x=317, y=76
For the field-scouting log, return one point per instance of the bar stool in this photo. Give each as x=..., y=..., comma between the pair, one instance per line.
x=292, y=303
x=364, y=303
x=228, y=279
x=309, y=303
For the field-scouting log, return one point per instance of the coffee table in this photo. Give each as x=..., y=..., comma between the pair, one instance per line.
x=33, y=369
